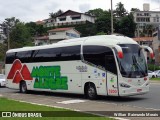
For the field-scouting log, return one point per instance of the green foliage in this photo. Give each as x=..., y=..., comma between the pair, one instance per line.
x=126, y=26
x=153, y=67
x=37, y=30
x=20, y=36
x=101, y=33
x=3, y=49
x=120, y=10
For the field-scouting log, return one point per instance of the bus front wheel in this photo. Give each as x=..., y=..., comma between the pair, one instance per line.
x=91, y=92
x=23, y=87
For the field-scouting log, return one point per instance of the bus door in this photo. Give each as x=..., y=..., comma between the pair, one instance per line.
x=112, y=79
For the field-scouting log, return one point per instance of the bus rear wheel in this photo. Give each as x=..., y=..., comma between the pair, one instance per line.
x=91, y=92
x=23, y=87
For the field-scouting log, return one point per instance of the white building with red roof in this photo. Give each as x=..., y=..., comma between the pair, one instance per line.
x=58, y=34
x=41, y=40
x=71, y=18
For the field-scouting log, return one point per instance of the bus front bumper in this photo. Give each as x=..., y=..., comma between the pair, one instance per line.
x=134, y=91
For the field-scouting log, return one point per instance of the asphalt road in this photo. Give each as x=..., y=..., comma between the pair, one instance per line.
x=150, y=100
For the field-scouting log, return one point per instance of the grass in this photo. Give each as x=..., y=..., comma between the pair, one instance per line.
x=157, y=79
x=11, y=105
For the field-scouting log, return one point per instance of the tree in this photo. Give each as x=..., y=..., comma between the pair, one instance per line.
x=120, y=10
x=54, y=15
x=148, y=30
x=126, y=26
x=36, y=30
x=20, y=36
x=96, y=12
x=134, y=9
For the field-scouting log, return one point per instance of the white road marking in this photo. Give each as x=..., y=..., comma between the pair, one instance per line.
x=71, y=101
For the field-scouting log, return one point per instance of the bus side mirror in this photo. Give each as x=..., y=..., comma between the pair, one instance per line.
x=119, y=51
x=148, y=49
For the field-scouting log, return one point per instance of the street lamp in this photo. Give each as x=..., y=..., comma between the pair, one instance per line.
x=111, y=18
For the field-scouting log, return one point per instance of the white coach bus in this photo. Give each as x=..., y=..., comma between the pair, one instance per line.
x=97, y=65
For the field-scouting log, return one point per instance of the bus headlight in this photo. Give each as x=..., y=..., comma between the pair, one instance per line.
x=124, y=85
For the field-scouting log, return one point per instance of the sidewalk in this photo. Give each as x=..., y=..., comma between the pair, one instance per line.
x=86, y=105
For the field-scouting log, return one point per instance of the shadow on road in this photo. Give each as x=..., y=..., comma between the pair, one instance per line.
x=100, y=98
x=78, y=96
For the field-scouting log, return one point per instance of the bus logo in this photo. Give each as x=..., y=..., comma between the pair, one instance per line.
x=49, y=77
x=19, y=72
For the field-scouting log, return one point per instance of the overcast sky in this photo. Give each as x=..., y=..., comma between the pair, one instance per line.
x=34, y=10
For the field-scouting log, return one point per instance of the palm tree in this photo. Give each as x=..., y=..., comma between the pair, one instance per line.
x=120, y=10
x=54, y=15
x=148, y=30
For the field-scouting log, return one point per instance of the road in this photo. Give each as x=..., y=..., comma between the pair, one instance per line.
x=147, y=102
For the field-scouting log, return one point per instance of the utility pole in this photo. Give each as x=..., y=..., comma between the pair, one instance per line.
x=111, y=18
x=8, y=37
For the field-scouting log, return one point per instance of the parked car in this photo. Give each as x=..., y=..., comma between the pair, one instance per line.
x=151, y=74
x=2, y=80
x=157, y=73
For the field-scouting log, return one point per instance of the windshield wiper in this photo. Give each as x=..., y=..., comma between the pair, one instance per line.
x=137, y=64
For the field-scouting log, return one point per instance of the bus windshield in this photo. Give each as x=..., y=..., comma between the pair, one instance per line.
x=133, y=64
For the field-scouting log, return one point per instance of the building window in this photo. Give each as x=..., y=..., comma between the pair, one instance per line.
x=154, y=19
x=53, y=33
x=146, y=14
x=62, y=19
x=157, y=19
x=76, y=18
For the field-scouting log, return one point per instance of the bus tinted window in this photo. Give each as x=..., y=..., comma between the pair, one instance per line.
x=10, y=57
x=46, y=55
x=71, y=53
x=24, y=56
x=100, y=56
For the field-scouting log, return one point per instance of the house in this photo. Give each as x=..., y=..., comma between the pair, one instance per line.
x=39, y=22
x=58, y=34
x=42, y=40
x=50, y=22
x=71, y=18
x=147, y=41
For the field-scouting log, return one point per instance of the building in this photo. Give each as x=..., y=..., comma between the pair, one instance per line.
x=58, y=34
x=42, y=40
x=69, y=18
x=147, y=41
x=146, y=17
x=50, y=22
x=156, y=45
x=39, y=22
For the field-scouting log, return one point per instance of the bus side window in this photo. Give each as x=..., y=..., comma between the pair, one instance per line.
x=110, y=64
x=100, y=56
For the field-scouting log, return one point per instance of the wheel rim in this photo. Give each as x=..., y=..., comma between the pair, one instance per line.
x=91, y=92
x=24, y=87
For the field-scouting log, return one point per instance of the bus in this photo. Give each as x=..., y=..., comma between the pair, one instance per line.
x=108, y=65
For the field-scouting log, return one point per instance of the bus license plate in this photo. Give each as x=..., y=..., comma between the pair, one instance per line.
x=139, y=90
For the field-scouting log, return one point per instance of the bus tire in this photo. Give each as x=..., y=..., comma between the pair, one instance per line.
x=90, y=91
x=23, y=87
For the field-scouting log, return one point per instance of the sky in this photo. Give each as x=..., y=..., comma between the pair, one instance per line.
x=34, y=10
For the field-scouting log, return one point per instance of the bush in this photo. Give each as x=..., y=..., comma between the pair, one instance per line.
x=153, y=67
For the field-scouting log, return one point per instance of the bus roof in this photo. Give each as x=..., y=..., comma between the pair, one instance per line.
x=102, y=40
